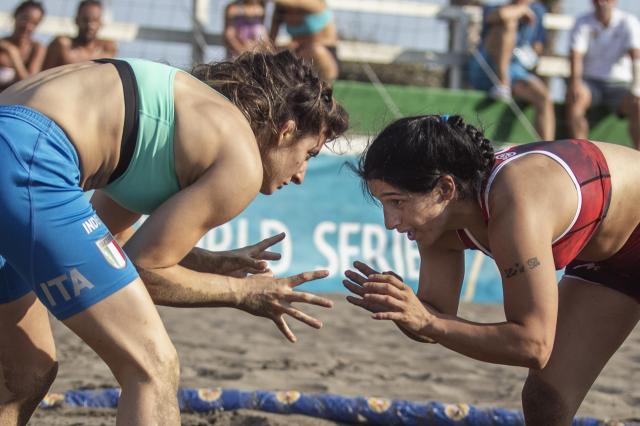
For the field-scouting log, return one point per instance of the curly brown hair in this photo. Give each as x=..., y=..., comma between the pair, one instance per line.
x=271, y=88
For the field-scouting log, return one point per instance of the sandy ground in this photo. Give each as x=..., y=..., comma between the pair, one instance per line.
x=352, y=356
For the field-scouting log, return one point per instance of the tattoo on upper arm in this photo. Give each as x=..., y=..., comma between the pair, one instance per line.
x=518, y=268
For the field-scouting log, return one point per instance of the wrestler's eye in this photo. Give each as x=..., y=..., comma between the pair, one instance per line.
x=311, y=155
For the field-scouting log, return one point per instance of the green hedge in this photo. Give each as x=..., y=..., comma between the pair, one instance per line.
x=369, y=113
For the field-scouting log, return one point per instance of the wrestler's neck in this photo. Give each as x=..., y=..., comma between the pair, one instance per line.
x=465, y=213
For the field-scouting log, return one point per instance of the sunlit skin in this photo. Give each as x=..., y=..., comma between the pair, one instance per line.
x=244, y=8
x=19, y=51
x=579, y=97
x=288, y=163
x=26, y=23
x=89, y=22
x=220, y=166
x=86, y=45
x=604, y=10
x=424, y=217
x=532, y=203
x=312, y=47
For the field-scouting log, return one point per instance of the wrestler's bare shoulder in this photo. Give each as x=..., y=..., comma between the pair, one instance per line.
x=208, y=128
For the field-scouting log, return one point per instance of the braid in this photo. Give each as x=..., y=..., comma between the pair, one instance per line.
x=485, y=148
x=413, y=152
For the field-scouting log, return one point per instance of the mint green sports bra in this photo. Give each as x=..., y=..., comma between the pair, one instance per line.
x=150, y=177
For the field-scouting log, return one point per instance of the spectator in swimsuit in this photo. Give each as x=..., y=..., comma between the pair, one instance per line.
x=20, y=55
x=86, y=45
x=534, y=208
x=190, y=151
x=244, y=28
x=512, y=37
x=605, y=68
x=311, y=25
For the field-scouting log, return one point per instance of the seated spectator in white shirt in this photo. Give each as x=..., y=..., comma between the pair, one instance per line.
x=605, y=68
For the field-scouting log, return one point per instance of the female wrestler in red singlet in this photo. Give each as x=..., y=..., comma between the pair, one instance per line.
x=534, y=208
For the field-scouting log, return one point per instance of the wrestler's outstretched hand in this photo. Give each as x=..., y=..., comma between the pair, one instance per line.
x=250, y=259
x=271, y=297
x=388, y=298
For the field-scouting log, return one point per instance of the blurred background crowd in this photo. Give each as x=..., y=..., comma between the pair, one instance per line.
x=584, y=54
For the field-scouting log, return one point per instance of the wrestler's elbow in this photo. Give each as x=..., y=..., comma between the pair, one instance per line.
x=536, y=351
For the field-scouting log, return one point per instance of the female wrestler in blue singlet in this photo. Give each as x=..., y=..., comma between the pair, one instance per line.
x=310, y=23
x=534, y=208
x=150, y=139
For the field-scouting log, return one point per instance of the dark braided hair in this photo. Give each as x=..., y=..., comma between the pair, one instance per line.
x=413, y=153
x=271, y=88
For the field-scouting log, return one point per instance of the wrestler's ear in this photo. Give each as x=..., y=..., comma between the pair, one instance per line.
x=286, y=133
x=446, y=188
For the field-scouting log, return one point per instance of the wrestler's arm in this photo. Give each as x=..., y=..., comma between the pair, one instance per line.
x=520, y=233
x=120, y=221
x=115, y=217
x=166, y=237
x=520, y=242
x=441, y=277
x=171, y=232
x=442, y=273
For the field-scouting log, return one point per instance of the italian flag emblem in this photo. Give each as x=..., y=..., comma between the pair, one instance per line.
x=112, y=252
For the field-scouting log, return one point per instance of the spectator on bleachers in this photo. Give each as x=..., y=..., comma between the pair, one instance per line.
x=86, y=45
x=244, y=27
x=605, y=68
x=20, y=55
x=511, y=40
x=311, y=25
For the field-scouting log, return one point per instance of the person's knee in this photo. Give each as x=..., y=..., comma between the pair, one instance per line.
x=576, y=108
x=544, y=404
x=30, y=383
x=157, y=364
x=164, y=364
x=543, y=99
x=504, y=27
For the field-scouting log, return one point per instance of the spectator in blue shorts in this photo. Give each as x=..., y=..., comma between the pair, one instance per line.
x=605, y=68
x=511, y=40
